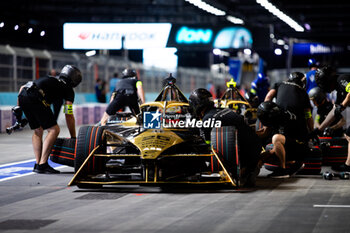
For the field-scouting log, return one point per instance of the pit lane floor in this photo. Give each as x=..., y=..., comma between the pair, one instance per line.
x=44, y=203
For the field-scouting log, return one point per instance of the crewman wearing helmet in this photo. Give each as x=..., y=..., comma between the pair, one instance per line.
x=324, y=106
x=202, y=105
x=328, y=80
x=35, y=99
x=290, y=141
x=127, y=93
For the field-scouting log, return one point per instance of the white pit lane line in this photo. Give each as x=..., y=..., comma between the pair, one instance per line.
x=331, y=206
x=19, y=169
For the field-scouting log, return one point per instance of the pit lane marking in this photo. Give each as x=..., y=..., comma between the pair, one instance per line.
x=19, y=169
x=331, y=206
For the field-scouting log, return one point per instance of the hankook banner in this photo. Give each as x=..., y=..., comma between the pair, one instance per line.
x=109, y=35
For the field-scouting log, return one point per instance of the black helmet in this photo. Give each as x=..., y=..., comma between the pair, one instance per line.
x=200, y=99
x=298, y=78
x=270, y=114
x=128, y=73
x=71, y=75
x=325, y=77
x=317, y=95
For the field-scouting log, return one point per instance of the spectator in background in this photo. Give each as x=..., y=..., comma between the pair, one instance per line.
x=100, y=90
x=260, y=87
x=113, y=82
x=310, y=76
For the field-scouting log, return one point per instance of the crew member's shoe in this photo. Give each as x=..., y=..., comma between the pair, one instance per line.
x=35, y=169
x=46, y=169
x=295, y=167
x=341, y=168
x=279, y=173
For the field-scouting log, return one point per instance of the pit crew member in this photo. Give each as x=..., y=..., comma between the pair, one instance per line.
x=127, y=92
x=35, y=98
x=328, y=80
x=324, y=106
x=290, y=141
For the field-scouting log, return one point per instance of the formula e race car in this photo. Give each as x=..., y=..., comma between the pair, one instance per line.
x=160, y=146
x=233, y=99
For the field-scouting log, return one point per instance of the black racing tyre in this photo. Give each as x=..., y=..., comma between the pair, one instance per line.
x=312, y=161
x=89, y=137
x=225, y=143
x=338, y=141
x=63, y=151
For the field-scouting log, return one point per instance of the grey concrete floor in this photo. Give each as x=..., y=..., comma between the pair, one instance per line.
x=44, y=203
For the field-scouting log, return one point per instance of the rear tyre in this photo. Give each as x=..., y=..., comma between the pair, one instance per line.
x=225, y=143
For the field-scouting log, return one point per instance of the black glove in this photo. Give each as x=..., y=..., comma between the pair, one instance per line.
x=328, y=131
x=339, y=108
x=314, y=134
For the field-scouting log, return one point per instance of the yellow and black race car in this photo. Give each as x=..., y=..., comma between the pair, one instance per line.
x=233, y=99
x=160, y=146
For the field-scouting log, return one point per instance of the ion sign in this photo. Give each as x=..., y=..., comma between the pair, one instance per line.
x=109, y=35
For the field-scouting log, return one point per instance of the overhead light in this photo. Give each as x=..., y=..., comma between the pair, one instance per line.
x=30, y=30
x=2, y=24
x=272, y=36
x=16, y=27
x=286, y=47
x=216, y=51
x=282, y=16
x=234, y=20
x=280, y=42
x=206, y=7
x=247, y=51
x=42, y=33
x=307, y=26
x=278, y=51
x=90, y=53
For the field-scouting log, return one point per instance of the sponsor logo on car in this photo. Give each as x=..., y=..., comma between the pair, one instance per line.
x=155, y=120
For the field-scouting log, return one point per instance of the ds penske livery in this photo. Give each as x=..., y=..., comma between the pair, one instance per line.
x=156, y=148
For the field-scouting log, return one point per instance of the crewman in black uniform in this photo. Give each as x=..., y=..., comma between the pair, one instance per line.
x=324, y=106
x=127, y=92
x=291, y=141
x=202, y=104
x=35, y=99
x=328, y=80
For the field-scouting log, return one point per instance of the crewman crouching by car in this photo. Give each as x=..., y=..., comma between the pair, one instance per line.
x=35, y=98
x=202, y=104
x=324, y=106
x=328, y=80
x=127, y=93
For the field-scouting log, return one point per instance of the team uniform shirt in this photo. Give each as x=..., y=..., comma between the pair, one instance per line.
x=310, y=80
x=55, y=89
x=35, y=101
x=294, y=99
x=126, y=95
x=127, y=86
